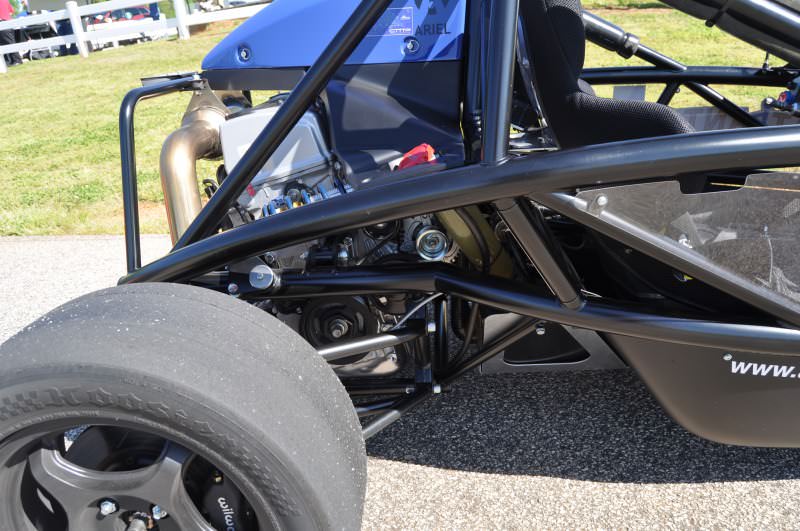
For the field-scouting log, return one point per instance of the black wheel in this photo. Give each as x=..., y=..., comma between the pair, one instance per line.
x=170, y=407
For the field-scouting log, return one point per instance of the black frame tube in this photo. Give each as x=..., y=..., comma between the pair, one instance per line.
x=714, y=75
x=516, y=331
x=499, y=52
x=704, y=91
x=130, y=194
x=513, y=297
x=389, y=413
x=304, y=94
x=605, y=164
x=724, y=104
x=614, y=38
x=668, y=93
x=473, y=81
x=393, y=412
x=681, y=258
x=376, y=386
x=547, y=257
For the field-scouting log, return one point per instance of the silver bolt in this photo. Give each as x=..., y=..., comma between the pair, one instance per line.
x=108, y=507
x=339, y=327
x=431, y=327
x=158, y=513
x=262, y=277
x=233, y=289
x=437, y=389
x=602, y=200
x=540, y=331
x=727, y=357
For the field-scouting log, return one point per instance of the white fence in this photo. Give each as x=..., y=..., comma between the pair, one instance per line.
x=99, y=34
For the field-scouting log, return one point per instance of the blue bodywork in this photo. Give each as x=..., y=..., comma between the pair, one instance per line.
x=293, y=33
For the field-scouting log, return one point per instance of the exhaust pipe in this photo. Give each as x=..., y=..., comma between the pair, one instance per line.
x=198, y=138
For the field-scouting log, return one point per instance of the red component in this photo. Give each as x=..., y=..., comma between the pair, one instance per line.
x=422, y=154
x=251, y=191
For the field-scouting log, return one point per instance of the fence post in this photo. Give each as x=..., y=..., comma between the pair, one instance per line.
x=181, y=17
x=3, y=67
x=77, y=28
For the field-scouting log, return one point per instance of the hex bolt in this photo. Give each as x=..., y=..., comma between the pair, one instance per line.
x=108, y=507
x=339, y=328
x=431, y=327
x=437, y=389
x=602, y=200
x=540, y=330
x=233, y=289
x=727, y=357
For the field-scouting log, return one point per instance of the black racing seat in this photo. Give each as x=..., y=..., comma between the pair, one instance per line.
x=556, y=44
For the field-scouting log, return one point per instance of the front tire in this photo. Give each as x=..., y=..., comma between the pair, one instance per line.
x=221, y=383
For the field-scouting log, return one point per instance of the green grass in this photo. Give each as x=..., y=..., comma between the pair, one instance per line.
x=60, y=147
x=686, y=39
x=59, y=153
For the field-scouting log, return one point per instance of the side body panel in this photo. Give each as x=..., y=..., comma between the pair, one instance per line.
x=293, y=33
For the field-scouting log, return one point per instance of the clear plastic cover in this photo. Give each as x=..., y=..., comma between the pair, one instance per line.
x=751, y=231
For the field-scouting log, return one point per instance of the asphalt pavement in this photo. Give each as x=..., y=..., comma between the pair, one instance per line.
x=571, y=450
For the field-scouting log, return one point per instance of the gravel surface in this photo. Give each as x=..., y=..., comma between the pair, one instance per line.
x=572, y=450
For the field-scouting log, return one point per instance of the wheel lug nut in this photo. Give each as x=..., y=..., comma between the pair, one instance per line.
x=108, y=507
x=158, y=513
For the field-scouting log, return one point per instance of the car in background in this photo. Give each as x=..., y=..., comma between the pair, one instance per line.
x=240, y=3
x=130, y=13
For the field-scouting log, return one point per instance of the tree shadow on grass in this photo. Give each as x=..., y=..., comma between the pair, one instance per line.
x=595, y=426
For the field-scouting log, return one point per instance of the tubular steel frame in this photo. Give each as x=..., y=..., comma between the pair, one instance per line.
x=509, y=183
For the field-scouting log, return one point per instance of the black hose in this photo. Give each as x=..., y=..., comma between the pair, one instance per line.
x=471, y=324
x=379, y=244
